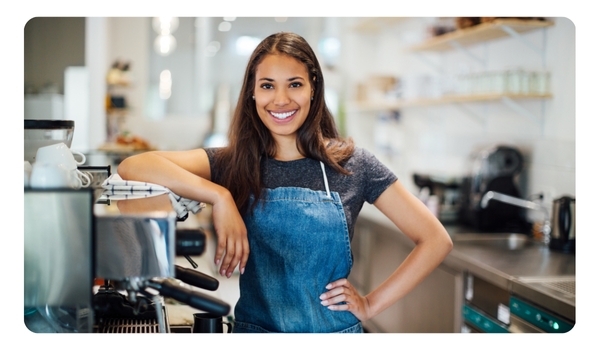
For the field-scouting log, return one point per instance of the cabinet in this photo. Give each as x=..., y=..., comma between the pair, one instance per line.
x=434, y=306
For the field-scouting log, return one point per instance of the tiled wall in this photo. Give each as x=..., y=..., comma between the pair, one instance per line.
x=441, y=139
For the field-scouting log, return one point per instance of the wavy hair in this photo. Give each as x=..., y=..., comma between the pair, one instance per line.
x=250, y=139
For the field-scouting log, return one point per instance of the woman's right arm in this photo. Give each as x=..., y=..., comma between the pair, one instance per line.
x=187, y=174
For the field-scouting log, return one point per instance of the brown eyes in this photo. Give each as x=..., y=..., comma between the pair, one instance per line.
x=270, y=86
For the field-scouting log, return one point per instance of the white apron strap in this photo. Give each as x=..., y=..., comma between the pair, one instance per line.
x=325, y=179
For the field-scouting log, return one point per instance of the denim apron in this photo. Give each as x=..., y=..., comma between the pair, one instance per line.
x=299, y=243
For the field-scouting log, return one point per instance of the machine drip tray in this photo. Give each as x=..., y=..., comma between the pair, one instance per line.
x=123, y=325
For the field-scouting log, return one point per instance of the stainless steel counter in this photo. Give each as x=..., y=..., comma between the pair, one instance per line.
x=532, y=270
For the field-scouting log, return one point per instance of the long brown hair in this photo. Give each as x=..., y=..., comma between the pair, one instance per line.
x=250, y=139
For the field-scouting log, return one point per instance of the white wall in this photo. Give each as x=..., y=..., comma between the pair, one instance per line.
x=440, y=139
x=127, y=39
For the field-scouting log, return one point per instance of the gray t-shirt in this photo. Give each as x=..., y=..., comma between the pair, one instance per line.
x=368, y=180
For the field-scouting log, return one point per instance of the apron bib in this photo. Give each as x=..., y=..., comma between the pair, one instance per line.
x=299, y=243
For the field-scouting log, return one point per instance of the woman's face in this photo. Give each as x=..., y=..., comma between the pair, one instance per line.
x=282, y=93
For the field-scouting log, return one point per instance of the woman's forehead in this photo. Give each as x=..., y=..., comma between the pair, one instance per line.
x=280, y=65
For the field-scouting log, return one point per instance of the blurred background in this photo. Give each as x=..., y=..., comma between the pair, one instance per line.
x=421, y=105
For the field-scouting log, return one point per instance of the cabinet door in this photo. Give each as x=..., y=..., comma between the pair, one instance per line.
x=434, y=306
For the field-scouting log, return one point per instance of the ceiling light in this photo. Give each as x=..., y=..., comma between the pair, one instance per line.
x=229, y=19
x=165, y=25
x=165, y=44
x=224, y=26
x=280, y=19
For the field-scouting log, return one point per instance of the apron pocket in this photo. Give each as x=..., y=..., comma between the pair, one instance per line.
x=357, y=328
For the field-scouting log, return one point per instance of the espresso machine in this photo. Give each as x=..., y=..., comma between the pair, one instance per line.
x=495, y=169
x=107, y=271
x=135, y=256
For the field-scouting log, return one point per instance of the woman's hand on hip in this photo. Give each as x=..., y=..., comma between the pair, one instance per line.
x=232, y=239
x=343, y=291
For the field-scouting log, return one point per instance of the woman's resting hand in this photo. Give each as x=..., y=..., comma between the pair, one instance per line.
x=231, y=233
x=343, y=291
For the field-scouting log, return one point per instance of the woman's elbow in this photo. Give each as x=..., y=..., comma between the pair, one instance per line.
x=126, y=167
x=447, y=242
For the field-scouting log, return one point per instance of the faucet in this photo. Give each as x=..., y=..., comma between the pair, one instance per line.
x=488, y=196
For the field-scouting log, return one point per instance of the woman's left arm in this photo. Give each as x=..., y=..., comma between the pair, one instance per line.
x=432, y=241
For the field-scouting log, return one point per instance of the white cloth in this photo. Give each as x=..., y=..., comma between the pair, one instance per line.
x=116, y=188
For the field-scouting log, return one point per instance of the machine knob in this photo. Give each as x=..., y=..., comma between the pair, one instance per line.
x=189, y=242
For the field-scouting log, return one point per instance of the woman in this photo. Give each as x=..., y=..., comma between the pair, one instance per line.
x=286, y=193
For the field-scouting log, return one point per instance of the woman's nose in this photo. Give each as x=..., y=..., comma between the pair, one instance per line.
x=281, y=97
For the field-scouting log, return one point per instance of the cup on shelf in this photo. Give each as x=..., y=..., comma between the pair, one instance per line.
x=27, y=173
x=49, y=175
x=61, y=154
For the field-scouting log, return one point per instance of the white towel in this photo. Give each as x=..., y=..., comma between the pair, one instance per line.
x=116, y=188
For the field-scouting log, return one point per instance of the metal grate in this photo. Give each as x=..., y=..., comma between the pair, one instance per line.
x=123, y=325
x=567, y=287
x=564, y=285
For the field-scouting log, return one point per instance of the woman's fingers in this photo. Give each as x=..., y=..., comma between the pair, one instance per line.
x=221, y=245
x=332, y=293
x=236, y=258
x=229, y=254
x=245, y=254
x=232, y=240
x=341, y=307
x=339, y=283
x=335, y=288
x=335, y=300
x=342, y=291
x=233, y=250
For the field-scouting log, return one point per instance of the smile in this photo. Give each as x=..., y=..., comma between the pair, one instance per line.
x=283, y=117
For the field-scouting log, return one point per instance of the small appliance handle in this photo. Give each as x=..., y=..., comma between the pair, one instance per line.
x=229, y=327
x=193, y=299
x=196, y=278
x=565, y=219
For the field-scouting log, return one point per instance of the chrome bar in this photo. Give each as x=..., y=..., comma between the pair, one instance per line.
x=488, y=196
x=509, y=200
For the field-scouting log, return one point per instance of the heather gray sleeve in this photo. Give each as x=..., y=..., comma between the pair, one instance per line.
x=214, y=174
x=377, y=177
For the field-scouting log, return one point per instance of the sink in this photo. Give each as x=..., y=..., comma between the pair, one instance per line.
x=500, y=241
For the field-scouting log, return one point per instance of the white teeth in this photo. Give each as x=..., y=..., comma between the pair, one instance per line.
x=282, y=115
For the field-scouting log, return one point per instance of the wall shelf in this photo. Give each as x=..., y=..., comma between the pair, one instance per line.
x=499, y=28
x=374, y=106
x=375, y=24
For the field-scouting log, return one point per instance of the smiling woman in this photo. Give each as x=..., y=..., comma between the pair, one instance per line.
x=286, y=193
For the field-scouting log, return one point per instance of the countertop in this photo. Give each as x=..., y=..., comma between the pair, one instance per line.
x=534, y=272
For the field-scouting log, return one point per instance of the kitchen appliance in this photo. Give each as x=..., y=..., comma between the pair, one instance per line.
x=58, y=260
x=70, y=245
x=445, y=189
x=135, y=256
x=489, y=308
x=41, y=133
x=562, y=236
x=494, y=169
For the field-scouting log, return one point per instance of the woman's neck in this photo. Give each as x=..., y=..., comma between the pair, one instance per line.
x=287, y=149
